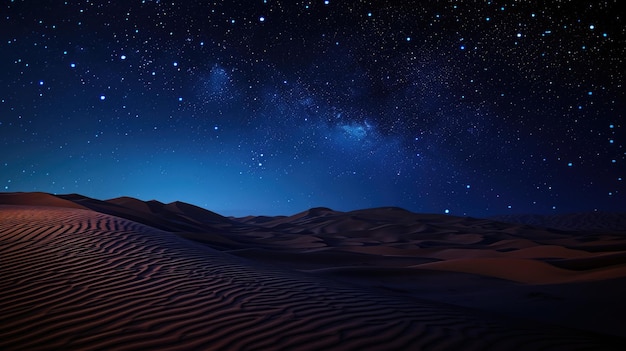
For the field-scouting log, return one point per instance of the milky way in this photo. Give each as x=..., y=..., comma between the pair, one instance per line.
x=271, y=107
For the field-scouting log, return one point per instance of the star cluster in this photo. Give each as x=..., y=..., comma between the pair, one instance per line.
x=270, y=107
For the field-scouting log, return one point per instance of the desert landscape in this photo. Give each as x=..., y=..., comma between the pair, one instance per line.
x=124, y=274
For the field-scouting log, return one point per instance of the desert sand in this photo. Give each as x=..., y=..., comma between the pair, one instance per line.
x=124, y=274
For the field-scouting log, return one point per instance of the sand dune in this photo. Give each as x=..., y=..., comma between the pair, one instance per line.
x=75, y=276
x=36, y=199
x=597, y=221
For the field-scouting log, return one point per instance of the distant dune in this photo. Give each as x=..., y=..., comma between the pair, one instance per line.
x=597, y=221
x=124, y=274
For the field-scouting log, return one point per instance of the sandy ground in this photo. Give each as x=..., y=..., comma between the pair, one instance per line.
x=79, y=273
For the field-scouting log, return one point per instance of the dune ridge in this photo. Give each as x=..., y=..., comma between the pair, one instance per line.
x=75, y=278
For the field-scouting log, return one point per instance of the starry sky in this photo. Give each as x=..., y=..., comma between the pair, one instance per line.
x=271, y=107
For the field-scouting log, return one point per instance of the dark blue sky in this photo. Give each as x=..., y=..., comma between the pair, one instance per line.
x=272, y=107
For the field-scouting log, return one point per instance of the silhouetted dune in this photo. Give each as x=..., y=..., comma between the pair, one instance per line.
x=175, y=216
x=80, y=273
x=131, y=203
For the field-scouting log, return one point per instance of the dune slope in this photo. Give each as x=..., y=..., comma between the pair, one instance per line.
x=75, y=276
x=77, y=279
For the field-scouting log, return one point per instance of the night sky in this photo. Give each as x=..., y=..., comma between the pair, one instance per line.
x=271, y=107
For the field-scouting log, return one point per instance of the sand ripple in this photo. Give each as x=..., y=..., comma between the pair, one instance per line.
x=78, y=279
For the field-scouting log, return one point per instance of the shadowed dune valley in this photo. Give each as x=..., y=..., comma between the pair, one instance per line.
x=124, y=274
